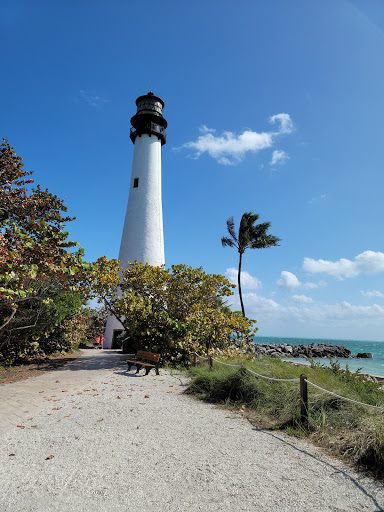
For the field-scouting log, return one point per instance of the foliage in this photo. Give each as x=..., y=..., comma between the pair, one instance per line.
x=249, y=236
x=356, y=379
x=96, y=321
x=172, y=311
x=55, y=324
x=35, y=255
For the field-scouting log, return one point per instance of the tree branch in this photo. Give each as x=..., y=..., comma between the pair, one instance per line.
x=9, y=318
x=27, y=326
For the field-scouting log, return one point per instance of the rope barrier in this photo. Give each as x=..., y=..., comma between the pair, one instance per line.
x=201, y=357
x=343, y=397
x=271, y=378
x=239, y=366
x=296, y=380
x=226, y=364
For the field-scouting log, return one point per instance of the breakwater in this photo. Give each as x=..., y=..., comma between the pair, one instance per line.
x=313, y=350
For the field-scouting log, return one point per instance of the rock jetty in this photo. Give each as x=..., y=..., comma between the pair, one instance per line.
x=314, y=350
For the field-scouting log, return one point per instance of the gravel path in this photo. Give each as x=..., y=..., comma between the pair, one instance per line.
x=106, y=440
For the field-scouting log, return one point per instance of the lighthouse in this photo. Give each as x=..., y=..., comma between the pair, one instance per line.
x=143, y=237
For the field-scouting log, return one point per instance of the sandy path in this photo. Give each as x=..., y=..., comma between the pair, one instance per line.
x=120, y=441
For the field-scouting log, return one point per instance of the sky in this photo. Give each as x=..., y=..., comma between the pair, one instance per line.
x=273, y=107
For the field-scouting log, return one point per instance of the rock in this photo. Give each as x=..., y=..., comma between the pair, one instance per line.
x=313, y=350
x=364, y=355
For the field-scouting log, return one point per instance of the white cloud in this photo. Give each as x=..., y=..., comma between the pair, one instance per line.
x=230, y=148
x=257, y=306
x=310, y=286
x=288, y=281
x=247, y=281
x=286, y=123
x=279, y=157
x=91, y=99
x=204, y=129
x=302, y=299
x=317, y=199
x=314, y=314
x=367, y=262
x=373, y=293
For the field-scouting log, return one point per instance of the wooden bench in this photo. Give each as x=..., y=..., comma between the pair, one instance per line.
x=148, y=360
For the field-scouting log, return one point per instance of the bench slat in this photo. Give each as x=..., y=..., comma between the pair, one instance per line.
x=143, y=363
x=145, y=359
x=141, y=354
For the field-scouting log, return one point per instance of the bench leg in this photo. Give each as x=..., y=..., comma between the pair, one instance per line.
x=129, y=366
x=138, y=368
x=157, y=369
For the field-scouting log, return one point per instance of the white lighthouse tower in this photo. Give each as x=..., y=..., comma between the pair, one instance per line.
x=143, y=237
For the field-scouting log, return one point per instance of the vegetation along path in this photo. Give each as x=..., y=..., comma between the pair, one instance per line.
x=96, y=438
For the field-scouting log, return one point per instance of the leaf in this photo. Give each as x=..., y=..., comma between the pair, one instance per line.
x=49, y=457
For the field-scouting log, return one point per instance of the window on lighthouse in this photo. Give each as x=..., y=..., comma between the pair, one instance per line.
x=135, y=182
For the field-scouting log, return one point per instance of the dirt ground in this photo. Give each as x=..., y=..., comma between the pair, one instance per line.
x=16, y=373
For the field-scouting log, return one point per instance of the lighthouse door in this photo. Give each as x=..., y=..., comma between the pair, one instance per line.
x=115, y=342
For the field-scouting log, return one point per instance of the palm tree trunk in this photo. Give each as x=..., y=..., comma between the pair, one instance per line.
x=239, y=284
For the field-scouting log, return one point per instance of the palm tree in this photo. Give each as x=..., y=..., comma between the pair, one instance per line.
x=250, y=236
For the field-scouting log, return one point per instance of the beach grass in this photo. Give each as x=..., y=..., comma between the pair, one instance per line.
x=349, y=430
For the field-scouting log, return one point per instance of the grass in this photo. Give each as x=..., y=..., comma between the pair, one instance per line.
x=346, y=429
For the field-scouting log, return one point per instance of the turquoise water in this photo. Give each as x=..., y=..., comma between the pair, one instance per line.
x=374, y=366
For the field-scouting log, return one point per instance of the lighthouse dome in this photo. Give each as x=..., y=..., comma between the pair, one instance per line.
x=149, y=104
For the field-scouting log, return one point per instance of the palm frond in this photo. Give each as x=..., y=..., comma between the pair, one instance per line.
x=259, y=230
x=265, y=241
x=231, y=229
x=245, y=229
x=227, y=242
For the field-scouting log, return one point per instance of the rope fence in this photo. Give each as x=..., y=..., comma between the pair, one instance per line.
x=226, y=364
x=303, y=386
x=271, y=378
x=201, y=357
x=343, y=397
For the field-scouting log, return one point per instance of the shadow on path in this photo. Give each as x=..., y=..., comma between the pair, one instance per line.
x=336, y=469
x=96, y=360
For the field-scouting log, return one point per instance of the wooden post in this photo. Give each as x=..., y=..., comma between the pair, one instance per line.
x=304, y=398
x=210, y=362
x=194, y=359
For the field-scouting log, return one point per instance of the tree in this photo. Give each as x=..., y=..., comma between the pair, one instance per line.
x=35, y=254
x=249, y=236
x=96, y=320
x=172, y=311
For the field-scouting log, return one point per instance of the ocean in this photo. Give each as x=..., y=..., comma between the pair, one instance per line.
x=374, y=366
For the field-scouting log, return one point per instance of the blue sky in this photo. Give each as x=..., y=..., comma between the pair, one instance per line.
x=273, y=107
